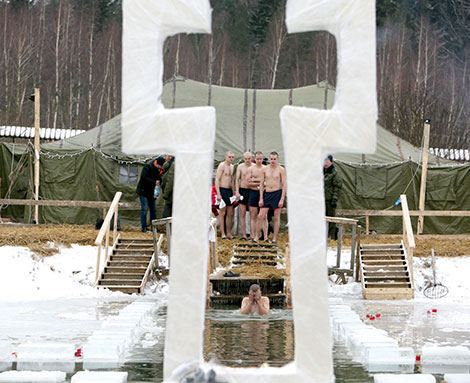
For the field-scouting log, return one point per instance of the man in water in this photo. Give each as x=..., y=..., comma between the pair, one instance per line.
x=224, y=187
x=255, y=303
x=242, y=189
x=273, y=193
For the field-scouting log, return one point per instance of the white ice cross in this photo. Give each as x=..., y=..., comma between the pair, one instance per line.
x=308, y=135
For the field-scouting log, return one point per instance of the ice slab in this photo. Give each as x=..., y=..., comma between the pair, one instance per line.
x=378, y=358
x=445, y=369
x=457, y=378
x=32, y=376
x=99, y=377
x=404, y=378
x=6, y=357
x=48, y=356
x=457, y=355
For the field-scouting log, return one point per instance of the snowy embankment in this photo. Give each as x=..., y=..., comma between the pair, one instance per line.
x=25, y=276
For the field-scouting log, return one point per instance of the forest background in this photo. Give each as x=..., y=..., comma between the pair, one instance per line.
x=71, y=50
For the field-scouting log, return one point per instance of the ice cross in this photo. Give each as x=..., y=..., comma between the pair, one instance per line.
x=308, y=135
x=147, y=127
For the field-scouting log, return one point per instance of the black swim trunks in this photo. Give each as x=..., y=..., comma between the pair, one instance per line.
x=226, y=193
x=245, y=193
x=271, y=199
x=253, y=200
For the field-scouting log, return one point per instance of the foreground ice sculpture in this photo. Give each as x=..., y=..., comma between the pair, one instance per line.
x=147, y=127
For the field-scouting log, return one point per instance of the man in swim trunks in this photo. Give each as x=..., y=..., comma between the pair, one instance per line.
x=272, y=192
x=254, y=175
x=242, y=190
x=224, y=188
x=255, y=303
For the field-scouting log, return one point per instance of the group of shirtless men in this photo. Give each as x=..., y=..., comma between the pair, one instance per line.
x=258, y=187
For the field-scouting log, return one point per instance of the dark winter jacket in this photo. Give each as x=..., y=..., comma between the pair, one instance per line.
x=146, y=186
x=333, y=184
x=167, y=182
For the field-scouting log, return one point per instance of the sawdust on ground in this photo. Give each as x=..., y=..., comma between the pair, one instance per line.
x=45, y=239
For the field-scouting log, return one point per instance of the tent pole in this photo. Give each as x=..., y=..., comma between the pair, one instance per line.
x=424, y=173
x=36, y=152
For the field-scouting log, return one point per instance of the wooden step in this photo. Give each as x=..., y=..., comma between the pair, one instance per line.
x=133, y=252
x=255, y=256
x=387, y=285
x=125, y=269
x=385, y=274
x=136, y=240
x=128, y=263
x=115, y=275
x=381, y=251
x=135, y=258
x=120, y=282
x=253, y=262
x=377, y=262
x=380, y=246
x=255, y=250
x=388, y=293
x=367, y=257
x=383, y=279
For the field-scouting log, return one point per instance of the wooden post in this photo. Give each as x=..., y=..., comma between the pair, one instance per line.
x=367, y=225
x=424, y=173
x=37, y=123
x=353, y=247
x=339, y=245
x=288, y=288
x=358, y=249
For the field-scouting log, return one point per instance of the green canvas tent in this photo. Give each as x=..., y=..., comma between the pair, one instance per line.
x=91, y=166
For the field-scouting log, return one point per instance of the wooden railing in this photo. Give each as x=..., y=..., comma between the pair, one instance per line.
x=408, y=237
x=397, y=213
x=104, y=234
x=355, y=243
x=153, y=264
x=167, y=223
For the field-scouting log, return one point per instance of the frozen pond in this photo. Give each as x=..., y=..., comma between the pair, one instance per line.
x=231, y=338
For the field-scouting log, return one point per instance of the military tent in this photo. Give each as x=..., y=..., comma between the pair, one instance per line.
x=91, y=166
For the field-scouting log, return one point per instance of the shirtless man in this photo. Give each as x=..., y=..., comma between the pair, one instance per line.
x=224, y=188
x=242, y=189
x=254, y=176
x=273, y=193
x=255, y=303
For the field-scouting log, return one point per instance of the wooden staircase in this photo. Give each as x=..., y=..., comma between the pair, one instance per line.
x=128, y=267
x=385, y=272
x=231, y=290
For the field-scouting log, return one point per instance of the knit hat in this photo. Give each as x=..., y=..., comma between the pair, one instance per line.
x=330, y=157
x=159, y=161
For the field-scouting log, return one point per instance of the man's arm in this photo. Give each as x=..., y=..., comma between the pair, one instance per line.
x=218, y=175
x=284, y=186
x=263, y=305
x=246, y=306
x=261, y=189
x=237, y=182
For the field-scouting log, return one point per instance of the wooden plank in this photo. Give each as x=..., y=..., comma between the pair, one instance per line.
x=37, y=123
x=408, y=234
x=392, y=294
x=422, y=189
x=64, y=203
x=107, y=220
x=398, y=213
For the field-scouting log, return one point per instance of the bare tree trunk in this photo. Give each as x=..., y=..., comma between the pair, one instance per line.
x=6, y=59
x=327, y=71
x=90, y=75
x=211, y=61
x=105, y=80
x=222, y=61
x=56, y=88
x=175, y=73
x=279, y=34
x=79, y=75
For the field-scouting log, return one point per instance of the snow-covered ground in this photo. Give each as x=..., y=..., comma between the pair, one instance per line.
x=53, y=299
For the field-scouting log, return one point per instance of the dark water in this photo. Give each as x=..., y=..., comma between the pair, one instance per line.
x=238, y=340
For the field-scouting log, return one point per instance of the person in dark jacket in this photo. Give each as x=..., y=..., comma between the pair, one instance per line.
x=167, y=186
x=149, y=178
x=333, y=185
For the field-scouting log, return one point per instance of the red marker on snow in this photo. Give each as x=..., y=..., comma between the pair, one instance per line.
x=78, y=353
x=434, y=310
x=377, y=315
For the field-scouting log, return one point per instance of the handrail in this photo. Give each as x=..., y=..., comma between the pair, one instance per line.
x=408, y=237
x=113, y=210
x=153, y=264
x=354, y=240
